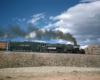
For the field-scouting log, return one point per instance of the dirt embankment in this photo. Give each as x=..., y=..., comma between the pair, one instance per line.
x=32, y=59
x=48, y=66
x=92, y=49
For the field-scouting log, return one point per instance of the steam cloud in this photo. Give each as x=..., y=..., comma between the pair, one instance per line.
x=15, y=31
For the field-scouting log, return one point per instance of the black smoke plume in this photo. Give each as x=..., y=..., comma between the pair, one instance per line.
x=2, y=32
x=15, y=31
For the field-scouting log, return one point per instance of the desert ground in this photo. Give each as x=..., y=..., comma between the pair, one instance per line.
x=50, y=73
x=48, y=66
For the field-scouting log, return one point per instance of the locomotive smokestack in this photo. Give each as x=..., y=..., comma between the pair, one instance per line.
x=75, y=42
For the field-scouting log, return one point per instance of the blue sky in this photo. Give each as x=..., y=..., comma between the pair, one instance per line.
x=81, y=18
x=24, y=9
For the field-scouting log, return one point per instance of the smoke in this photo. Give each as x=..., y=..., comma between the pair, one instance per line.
x=49, y=34
x=12, y=32
x=15, y=31
x=41, y=34
x=2, y=34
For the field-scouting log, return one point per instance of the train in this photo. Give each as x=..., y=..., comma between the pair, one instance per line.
x=3, y=45
x=29, y=46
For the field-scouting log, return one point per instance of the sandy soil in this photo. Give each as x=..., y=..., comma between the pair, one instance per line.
x=50, y=73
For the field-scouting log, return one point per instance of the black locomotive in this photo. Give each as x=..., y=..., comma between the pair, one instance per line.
x=44, y=47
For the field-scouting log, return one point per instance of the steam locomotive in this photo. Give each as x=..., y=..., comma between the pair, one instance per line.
x=43, y=47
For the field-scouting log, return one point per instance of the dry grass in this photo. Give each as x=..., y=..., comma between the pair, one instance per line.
x=31, y=59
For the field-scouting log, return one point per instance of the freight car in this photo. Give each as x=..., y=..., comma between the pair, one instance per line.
x=43, y=47
x=3, y=45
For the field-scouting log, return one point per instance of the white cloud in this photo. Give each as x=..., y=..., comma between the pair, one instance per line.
x=31, y=35
x=63, y=16
x=14, y=19
x=33, y=21
x=58, y=25
x=87, y=41
x=61, y=41
x=83, y=47
x=38, y=15
x=39, y=41
x=63, y=30
x=35, y=18
x=82, y=21
x=89, y=0
x=24, y=19
x=20, y=20
x=99, y=39
x=48, y=26
x=70, y=43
